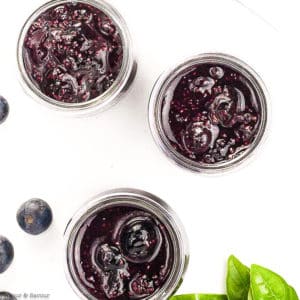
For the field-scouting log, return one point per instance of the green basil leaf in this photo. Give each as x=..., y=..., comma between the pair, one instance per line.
x=292, y=294
x=238, y=279
x=267, y=285
x=199, y=297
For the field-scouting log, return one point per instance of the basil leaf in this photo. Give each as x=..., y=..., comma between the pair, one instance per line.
x=250, y=295
x=199, y=297
x=212, y=297
x=267, y=285
x=238, y=279
x=292, y=294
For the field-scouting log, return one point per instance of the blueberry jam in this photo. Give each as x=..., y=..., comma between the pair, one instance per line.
x=73, y=52
x=123, y=253
x=211, y=113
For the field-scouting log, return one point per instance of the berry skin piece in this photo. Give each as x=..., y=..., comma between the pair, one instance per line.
x=6, y=254
x=7, y=296
x=35, y=216
x=4, y=109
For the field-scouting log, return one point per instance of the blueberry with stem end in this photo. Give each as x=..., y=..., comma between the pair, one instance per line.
x=35, y=216
x=6, y=254
x=4, y=109
x=7, y=296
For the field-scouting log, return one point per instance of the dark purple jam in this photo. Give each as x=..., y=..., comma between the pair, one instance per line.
x=123, y=253
x=211, y=113
x=73, y=52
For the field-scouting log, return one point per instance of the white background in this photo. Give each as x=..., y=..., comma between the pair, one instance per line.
x=251, y=212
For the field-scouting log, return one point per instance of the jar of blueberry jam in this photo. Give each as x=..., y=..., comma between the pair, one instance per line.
x=124, y=245
x=209, y=113
x=76, y=55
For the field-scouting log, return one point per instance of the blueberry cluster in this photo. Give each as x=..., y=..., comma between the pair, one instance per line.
x=34, y=217
x=73, y=52
x=124, y=253
x=211, y=114
x=138, y=241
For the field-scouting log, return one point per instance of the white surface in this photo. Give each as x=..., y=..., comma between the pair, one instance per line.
x=251, y=212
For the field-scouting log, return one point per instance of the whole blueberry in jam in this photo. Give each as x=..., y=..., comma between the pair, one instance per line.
x=212, y=113
x=6, y=254
x=123, y=253
x=73, y=52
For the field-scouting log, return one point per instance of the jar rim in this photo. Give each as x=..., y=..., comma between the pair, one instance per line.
x=142, y=200
x=156, y=99
x=104, y=100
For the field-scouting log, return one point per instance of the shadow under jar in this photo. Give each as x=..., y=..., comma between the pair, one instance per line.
x=209, y=113
x=125, y=244
x=76, y=55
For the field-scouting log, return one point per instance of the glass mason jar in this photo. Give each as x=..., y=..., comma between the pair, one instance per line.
x=221, y=109
x=111, y=94
x=128, y=199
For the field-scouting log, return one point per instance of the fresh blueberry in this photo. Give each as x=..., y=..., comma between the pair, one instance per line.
x=4, y=109
x=7, y=296
x=6, y=254
x=34, y=216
